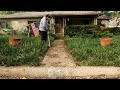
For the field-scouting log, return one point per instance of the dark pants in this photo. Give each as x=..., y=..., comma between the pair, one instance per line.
x=43, y=36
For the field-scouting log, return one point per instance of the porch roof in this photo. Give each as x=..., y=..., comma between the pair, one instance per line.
x=52, y=13
x=104, y=17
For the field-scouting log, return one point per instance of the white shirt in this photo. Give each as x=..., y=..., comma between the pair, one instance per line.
x=43, y=24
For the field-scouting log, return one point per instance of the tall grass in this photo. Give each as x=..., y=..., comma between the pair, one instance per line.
x=88, y=51
x=30, y=52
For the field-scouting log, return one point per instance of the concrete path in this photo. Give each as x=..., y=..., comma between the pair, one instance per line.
x=58, y=56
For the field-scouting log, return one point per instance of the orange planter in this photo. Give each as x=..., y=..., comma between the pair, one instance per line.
x=102, y=28
x=105, y=41
x=14, y=41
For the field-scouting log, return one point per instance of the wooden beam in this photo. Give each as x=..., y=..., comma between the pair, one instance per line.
x=63, y=26
x=95, y=21
x=29, y=31
x=65, y=21
x=53, y=18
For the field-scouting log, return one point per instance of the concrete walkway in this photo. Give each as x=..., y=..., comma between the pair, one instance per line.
x=58, y=56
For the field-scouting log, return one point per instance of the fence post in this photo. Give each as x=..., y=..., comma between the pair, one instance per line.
x=29, y=31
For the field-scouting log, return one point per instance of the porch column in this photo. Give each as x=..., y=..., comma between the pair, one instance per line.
x=65, y=21
x=5, y=24
x=53, y=22
x=63, y=26
x=50, y=24
x=95, y=20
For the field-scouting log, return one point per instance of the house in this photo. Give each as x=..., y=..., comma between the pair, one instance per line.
x=19, y=21
x=114, y=22
x=104, y=19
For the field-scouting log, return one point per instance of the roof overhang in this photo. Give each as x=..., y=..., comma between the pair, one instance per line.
x=52, y=13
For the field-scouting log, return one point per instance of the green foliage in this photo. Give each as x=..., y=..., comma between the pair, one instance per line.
x=73, y=30
x=105, y=33
x=52, y=35
x=107, y=13
x=9, y=12
x=115, y=31
x=30, y=52
x=113, y=13
x=8, y=25
x=88, y=52
x=90, y=31
x=100, y=24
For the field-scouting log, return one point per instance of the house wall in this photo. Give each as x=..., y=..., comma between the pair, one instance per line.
x=19, y=24
x=106, y=22
x=113, y=22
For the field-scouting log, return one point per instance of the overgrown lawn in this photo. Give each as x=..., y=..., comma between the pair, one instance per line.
x=30, y=52
x=88, y=51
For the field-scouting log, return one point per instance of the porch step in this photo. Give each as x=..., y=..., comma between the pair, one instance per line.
x=59, y=36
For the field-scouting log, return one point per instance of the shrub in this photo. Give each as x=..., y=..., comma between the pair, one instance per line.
x=115, y=30
x=90, y=31
x=53, y=35
x=73, y=30
x=100, y=23
x=105, y=33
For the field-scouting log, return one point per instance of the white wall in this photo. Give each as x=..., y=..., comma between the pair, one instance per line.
x=106, y=22
x=19, y=24
x=113, y=22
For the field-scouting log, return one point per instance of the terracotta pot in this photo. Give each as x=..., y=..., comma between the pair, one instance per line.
x=102, y=28
x=105, y=41
x=14, y=41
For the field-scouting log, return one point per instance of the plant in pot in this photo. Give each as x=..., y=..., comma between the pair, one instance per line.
x=101, y=26
x=14, y=40
x=106, y=38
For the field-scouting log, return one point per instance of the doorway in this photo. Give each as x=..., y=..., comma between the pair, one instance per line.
x=59, y=26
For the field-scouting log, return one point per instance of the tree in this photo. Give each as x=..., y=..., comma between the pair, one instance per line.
x=9, y=12
x=108, y=13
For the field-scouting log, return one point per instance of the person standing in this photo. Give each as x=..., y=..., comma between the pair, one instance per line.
x=44, y=28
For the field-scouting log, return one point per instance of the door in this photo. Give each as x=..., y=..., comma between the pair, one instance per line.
x=59, y=27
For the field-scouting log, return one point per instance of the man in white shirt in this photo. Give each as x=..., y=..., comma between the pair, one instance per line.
x=44, y=27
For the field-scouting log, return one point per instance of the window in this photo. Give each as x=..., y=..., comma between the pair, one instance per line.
x=78, y=21
x=2, y=24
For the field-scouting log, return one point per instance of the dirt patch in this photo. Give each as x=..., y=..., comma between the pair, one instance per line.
x=58, y=55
